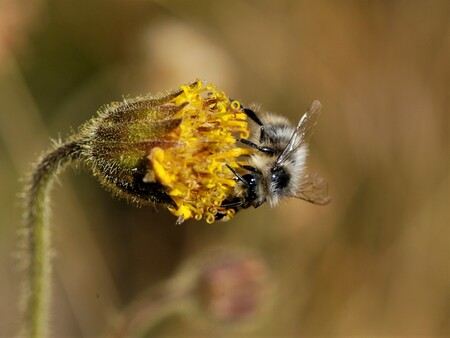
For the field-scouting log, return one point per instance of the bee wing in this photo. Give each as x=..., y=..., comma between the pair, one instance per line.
x=302, y=132
x=314, y=189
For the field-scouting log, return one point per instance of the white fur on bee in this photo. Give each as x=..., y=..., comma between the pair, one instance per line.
x=295, y=167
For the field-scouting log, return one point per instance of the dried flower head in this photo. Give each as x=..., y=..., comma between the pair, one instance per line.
x=175, y=148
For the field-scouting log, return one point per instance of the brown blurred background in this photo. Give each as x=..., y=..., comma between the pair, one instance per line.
x=376, y=261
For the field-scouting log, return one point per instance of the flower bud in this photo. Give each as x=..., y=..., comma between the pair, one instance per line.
x=172, y=148
x=222, y=288
x=233, y=287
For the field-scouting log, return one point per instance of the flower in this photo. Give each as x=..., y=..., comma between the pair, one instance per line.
x=175, y=148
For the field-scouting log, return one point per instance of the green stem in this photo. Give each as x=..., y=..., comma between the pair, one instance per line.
x=37, y=283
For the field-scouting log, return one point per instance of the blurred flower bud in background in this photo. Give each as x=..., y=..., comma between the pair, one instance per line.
x=233, y=286
x=224, y=289
x=16, y=19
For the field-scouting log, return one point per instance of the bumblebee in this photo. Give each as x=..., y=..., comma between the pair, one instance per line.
x=276, y=170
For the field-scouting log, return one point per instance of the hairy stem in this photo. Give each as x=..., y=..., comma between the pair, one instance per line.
x=37, y=256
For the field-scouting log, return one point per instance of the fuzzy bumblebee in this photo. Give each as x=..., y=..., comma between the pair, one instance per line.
x=175, y=149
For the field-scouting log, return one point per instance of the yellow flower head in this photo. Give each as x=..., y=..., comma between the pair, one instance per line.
x=193, y=168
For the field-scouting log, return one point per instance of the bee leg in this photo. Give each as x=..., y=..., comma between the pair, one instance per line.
x=239, y=177
x=252, y=169
x=251, y=114
x=235, y=206
x=237, y=202
x=266, y=150
x=259, y=203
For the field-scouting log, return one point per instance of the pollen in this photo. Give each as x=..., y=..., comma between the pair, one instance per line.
x=194, y=170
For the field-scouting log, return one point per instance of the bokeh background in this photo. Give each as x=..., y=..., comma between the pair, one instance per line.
x=374, y=262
